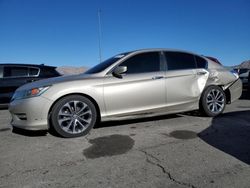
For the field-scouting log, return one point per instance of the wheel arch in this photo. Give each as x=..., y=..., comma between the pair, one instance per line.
x=80, y=94
x=201, y=100
x=226, y=91
x=227, y=94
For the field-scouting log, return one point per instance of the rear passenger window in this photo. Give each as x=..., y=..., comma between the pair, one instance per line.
x=33, y=71
x=180, y=60
x=15, y=71
x=201, y=63
x=143, y=63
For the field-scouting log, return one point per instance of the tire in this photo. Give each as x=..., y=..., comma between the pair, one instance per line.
x=73, y=116
x=212, y=101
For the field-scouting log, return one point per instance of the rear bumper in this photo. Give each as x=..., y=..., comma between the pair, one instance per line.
x=235, y=90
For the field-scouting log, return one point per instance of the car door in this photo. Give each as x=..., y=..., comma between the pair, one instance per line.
x=140, y=90
x=184, y=81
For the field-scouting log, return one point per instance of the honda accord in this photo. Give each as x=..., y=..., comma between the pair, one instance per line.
x=129, y=85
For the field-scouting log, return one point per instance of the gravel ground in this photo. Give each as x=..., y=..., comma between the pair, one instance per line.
x=182, y=150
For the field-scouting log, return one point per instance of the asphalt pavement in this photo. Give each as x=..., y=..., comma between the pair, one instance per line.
x=181, y=150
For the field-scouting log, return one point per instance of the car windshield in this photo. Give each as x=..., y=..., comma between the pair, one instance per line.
x=105, y=64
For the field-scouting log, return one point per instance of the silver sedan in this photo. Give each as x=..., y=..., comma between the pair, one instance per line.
x=129, y=85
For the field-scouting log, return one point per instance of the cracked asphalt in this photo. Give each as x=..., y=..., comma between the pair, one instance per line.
x=182, y=150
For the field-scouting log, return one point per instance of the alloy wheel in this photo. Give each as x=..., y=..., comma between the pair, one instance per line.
x=215, y=101
x=74, y=117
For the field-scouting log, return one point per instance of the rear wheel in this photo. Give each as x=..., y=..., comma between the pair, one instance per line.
x=73, y=116
x=213, y=101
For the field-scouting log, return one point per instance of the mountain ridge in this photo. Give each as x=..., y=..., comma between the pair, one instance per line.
x=244, y=65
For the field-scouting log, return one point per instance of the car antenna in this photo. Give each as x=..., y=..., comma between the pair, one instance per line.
x=99, y=35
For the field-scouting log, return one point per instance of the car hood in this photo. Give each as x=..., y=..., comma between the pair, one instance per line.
x=55, y=80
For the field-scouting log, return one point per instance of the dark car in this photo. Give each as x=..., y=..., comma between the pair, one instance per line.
x=244, y=74
x=249, y=82
x=13, y=76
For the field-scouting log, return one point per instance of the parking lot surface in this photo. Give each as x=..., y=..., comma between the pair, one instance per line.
x=182, y=150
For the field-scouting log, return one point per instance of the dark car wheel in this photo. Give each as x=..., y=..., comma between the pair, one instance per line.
x=213, y=101
x=73, y=116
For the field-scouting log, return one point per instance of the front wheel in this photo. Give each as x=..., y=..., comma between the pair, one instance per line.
x=213, y=101
x=73, y=116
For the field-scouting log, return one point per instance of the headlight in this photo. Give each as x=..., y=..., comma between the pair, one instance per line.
x=34, y=92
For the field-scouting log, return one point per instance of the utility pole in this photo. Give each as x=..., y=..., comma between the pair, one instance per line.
x=99, y=35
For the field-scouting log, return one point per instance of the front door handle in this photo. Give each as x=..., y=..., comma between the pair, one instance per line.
x=157, y=77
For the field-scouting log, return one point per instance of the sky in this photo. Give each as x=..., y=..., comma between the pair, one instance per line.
x=65, y=32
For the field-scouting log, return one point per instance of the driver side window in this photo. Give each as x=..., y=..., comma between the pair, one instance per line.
x=143, y=63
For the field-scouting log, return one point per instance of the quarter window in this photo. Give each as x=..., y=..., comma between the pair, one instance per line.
x=143, y=63
x=33, y=71
x=180, y=60
x=201, y=63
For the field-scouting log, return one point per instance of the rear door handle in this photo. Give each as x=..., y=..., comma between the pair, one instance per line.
x=157, y=77
x=201, y=73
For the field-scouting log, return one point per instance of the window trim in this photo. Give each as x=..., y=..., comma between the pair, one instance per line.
x=27, y=76
x=36, y=75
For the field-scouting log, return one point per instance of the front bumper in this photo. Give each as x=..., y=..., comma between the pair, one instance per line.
x=235, y=90
x=31, y=113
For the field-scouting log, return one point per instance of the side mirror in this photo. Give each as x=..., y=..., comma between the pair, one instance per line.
x=119, y=71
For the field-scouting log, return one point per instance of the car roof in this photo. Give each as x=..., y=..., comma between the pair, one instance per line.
x=213, y=59
x=28, y=65
x=160, y=49
x=163, y=49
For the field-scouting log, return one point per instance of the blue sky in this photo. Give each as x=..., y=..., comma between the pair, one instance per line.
x=65, y=32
